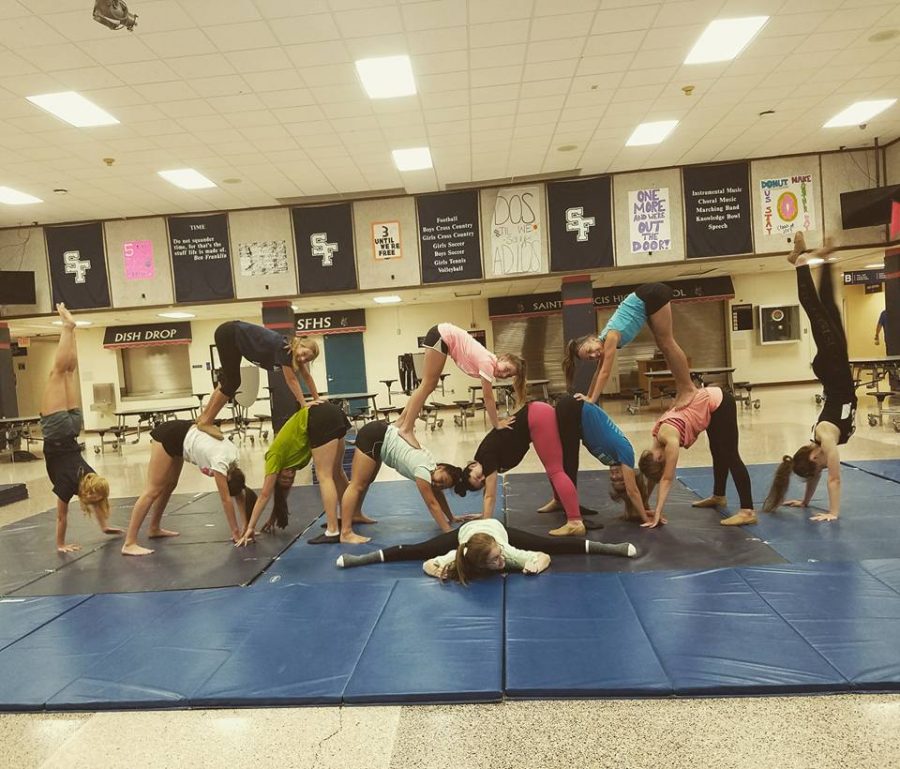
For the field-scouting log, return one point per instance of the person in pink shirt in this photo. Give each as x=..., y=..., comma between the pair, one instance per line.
x=712, y=410
x=446, y=339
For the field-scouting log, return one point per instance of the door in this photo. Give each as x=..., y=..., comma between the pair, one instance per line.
x=345, y=367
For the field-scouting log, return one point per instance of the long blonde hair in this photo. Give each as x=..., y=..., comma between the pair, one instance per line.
x=298, y=344
x=519, y=378
x=93, y=493
x=471, y=559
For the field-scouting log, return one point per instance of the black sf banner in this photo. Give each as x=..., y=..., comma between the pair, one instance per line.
x=717, y=210
x=78, y=266
x=201, y=258
x=324, y=242
x=580, y=224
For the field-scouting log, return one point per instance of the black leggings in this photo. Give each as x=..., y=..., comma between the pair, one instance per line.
x=832, y=363
x=722, y=432
x=568, y=420
x=444, y=543
x=229, y=359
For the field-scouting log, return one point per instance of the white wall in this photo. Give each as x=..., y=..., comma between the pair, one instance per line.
x=861, y=311
x=30, y=381
x=763, y=364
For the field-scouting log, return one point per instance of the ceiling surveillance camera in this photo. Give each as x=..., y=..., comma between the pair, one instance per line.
x=863, y=126
x=114, y=14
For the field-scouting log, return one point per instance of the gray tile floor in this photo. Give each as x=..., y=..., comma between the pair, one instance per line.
x=814, y=732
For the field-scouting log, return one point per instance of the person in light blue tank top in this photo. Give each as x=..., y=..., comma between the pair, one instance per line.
x=648, y=304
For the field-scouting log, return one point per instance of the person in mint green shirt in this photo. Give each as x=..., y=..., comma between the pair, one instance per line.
x=310, y=434
x=379, y=443
x=480, y=548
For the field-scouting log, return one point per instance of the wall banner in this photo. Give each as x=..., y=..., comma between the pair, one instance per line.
x=580, y=224
x=386, y=240
x=717, y=210
x=77, y=256
x=147, y=334
x=449, y=241
x=138, y=256
x=334, y=322
x=263, y=257
x=787, y=204
x=323, y=237
x=650, y=220
x=201, y=258
x=516, y=231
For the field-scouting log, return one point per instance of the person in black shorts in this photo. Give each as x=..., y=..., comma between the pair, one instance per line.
x=268, y=349
x=175, y=442
x=831, y=365
x=61, y=423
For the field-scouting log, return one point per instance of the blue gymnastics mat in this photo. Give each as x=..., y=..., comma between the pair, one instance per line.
x=884, y=468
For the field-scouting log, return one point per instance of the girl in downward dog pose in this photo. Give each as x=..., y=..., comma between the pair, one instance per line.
x=316, y=434
x=650, y=304
x=377, y=443
x=61, y=423
x=502, y=450
x=837, y=420
x=585, y=422
x=713, y=410
x=267, y=349
x=174, y=442
x=446, y=339
x=480, y=548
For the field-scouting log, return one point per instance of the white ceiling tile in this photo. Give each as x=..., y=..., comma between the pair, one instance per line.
x=499, y=11
x=440, y=63
x=306, y=29
x=296, y=97
x=598, y=65
x=276, y=9
x=222, y=85
x=145, y=72
x=331, y=74
x=156, y=93
x=27, y=32
x=606, y=45
x=497, y=76
x=120, y=50
x=210, y=12
x=317, y=54
x=280, y=80
x=86, y=78
x=435, y=40
x=558, y=26
x=208, y=65
x=236, y=103
x=607, y=22
x=187, y=108
x=365, y=22
x=179, y=42
x=433, y=15
x=549, y=70
x=31, y=84
x=332, y=94
x=501, y=33
x=241, y=37
x=450, y=81
x=261, y=60
x=299, y=114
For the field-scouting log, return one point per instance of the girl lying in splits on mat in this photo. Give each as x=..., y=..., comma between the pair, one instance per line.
x=316, y=434
x=174, y=442
x=502, y=450
x=650, y=304
x=446, y=339
x=584, y=422
x=481, y=548
x=61, y=423
x=837, y=420
x=377, y=443
x=267, y=349
x=713, y=410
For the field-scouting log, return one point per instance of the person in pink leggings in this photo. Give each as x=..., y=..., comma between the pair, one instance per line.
x=502, y=450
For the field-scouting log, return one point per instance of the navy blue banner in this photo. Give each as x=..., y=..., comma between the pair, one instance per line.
x=717, y=210
x=201, y=258
x=580, y=218
x=323, y=237
x=449, y=237
x=77, y=258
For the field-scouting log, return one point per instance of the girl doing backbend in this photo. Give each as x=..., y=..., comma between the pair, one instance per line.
x=480, y=548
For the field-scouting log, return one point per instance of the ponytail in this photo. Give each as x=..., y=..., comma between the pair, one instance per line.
x=470, y=560
x=464, y=485
x=280, y=510
x=780, y=484
x=236, y=480
x=570, y=359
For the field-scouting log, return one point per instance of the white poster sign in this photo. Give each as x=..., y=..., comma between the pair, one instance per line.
x=787, y=204
x=650, y=224
x=516, y=231
x=386, y=240
x=263, y=257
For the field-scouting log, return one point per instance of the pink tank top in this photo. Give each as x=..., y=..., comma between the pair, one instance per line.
x=467, y=353
x=694, y=418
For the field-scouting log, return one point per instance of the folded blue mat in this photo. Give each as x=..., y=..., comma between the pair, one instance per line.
x=578, y=635
x=847, y=615
x=434, y=642
x=714, y=635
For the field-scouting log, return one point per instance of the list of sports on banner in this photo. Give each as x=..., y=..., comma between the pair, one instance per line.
x=449, y=243
x=717, y=210
x=201, y=257
x=323, y=238
x=580, y=224
x=77, y=257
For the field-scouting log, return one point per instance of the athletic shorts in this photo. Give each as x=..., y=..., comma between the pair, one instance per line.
x=655, y=296
x=61, y=425
x=433, y=341
x=370, y=437
x=171, y=435
x=326, y=423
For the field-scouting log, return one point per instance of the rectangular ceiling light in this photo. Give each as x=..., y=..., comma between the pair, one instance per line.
x=651, y=133
x=187, y=179
x=387, y=77
x=392, y=299
x=73, y=108
x=724, y=39
x=413, y=159
x=12, y=197
x=859, y=113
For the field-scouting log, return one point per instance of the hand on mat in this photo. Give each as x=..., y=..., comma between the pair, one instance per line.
x=506, y=424
x=68, y=548
x=537, y=564
x=247, y=537
x=655, y=520
x=112, y=530
x=794, y=503
x=824, y=517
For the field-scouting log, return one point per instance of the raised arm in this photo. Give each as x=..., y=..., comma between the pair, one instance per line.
x=227, y=504
x=634, y=493
x=291, y=379
x=665, y=483
x=490, y=496
x=62, y=516
x=310, y=384
x=441, y=518
x=605, y=366
x=264, y=494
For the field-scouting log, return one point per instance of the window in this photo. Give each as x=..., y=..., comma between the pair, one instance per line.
x=162, y=371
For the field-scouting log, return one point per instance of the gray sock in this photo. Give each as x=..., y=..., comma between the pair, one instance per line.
x=625, y=549
x=347, y=560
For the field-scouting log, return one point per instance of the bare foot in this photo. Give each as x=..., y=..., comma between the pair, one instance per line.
x=740, y=518
x=135, y=550
x=210, y=429
x=66, y=316
x=158, y=533
x=361, y=518
x=712, y=501
x=352, y=538
x=551, y=507
x=68, y=548
x=569, y=529
x=410, y=438
x=798, y=250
